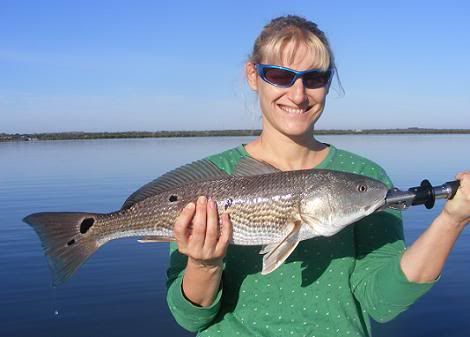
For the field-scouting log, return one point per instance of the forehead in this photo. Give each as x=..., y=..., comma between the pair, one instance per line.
x=298, y=55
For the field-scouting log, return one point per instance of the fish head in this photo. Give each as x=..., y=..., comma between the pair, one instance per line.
x=338, y=199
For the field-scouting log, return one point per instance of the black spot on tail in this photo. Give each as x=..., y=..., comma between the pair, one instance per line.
x=86, y=225
x=173, y=198
x=63, y=239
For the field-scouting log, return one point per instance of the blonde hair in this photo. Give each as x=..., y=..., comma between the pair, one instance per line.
x=274, y=37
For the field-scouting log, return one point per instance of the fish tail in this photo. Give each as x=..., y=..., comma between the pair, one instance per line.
x=67, y=240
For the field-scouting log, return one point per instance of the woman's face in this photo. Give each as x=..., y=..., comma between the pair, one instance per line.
x=290, y=111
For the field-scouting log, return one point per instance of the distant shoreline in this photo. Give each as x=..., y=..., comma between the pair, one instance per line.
x=5, y=137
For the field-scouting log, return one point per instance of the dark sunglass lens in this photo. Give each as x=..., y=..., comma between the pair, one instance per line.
x=315, y=80
x=278, y=76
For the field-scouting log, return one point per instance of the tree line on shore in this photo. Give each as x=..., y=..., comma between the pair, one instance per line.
x=209, y=133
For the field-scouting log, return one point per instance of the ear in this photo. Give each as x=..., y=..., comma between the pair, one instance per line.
x=251, y=75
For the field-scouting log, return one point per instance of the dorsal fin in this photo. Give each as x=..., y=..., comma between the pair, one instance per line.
x=196, y=171
x=248, y=166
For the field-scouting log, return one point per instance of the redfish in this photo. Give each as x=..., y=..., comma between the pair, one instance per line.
x=267, y=207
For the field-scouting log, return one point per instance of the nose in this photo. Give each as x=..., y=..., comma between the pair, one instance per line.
x=297, y=92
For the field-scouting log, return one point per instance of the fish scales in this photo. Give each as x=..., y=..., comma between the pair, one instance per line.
x=259, y=208
x=268, y=207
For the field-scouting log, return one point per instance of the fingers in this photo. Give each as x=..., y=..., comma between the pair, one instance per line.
x=225, y=236
x=464, y=188
x=464, y=179
x=198, y=234
x=458, y=208
x=182, y=226
x=212, y=230
x=199, y=224
x=461, y=175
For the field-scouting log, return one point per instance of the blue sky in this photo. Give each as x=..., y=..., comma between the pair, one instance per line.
x=151, y=65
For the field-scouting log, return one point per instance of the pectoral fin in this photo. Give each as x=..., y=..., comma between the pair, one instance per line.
x=280, y=252
x=152, y=239
x=268, y=248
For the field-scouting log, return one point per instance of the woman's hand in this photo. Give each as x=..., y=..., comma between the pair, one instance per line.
x=424, y=259
x=457, y=210
x=199, y=237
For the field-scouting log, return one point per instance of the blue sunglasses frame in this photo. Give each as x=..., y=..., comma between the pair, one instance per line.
x=297, y=74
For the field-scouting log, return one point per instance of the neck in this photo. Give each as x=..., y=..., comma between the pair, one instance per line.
x=288, y=153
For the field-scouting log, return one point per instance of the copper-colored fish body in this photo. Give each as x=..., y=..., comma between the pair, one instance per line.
x=270, y=208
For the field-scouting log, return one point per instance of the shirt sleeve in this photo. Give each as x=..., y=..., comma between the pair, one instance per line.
x=191, y=317
x=377, y=281
x=188, y=315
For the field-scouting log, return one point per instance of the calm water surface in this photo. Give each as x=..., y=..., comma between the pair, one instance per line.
x=120, y=291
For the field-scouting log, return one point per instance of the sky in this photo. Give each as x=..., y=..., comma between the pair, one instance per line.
x=178, y=65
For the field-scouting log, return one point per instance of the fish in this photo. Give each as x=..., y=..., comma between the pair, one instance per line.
x=267, y=207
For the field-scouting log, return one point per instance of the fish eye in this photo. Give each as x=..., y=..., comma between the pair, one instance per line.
x=362, y=188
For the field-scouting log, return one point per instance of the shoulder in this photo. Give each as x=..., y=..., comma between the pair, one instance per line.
x=351, y=162
x=228, y=159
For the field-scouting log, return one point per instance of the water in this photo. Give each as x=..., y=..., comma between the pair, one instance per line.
x=120, y=291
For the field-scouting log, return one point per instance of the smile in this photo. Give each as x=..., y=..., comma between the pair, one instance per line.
x=293, y=110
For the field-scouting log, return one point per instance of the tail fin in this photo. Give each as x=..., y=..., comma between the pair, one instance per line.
x=65, y=239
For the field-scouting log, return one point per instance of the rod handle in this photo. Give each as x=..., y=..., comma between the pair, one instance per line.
x=452, y=187
x=424, y=194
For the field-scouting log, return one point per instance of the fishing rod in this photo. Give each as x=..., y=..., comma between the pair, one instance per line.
x=425, y=194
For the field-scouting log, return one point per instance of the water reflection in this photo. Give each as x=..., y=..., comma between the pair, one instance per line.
x=120, y=291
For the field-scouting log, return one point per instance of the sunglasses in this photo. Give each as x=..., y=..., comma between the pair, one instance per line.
x=284, y=77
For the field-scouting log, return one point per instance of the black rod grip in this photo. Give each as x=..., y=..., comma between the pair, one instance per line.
x=424, y=194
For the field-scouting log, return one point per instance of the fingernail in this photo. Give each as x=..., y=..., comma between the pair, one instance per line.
x=201, y=200
x=211, y=203
x=189, y=206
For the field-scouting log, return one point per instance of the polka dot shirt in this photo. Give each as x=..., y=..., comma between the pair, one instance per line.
x=327, y=286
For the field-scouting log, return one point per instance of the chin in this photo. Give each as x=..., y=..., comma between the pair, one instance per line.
x=298, y=132
x=298, y=129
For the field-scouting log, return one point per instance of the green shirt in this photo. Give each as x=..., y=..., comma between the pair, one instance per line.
x=327, y=286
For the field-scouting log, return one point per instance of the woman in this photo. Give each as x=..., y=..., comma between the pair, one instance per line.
x=328, y=286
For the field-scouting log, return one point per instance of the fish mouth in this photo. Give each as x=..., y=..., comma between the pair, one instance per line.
x=376, y=206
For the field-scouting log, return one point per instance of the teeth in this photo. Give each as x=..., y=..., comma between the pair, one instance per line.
x=292, y=110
